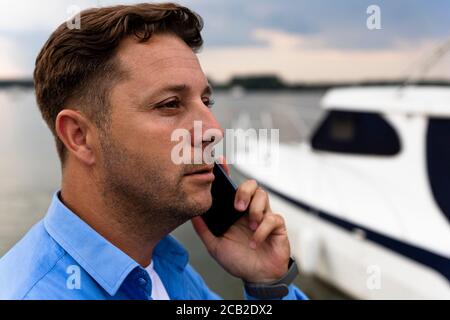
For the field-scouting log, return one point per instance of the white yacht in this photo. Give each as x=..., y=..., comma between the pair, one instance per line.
x=367, y=198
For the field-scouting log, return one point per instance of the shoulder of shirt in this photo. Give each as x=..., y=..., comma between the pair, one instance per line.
x=28, y=263
x=199, y=290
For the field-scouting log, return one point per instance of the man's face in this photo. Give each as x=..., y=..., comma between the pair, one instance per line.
x=165, y=90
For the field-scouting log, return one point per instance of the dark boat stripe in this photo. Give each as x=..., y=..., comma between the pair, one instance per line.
x=432, y=260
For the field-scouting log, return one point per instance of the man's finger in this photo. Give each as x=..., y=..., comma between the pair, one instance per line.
x=272, y=224
x=258, y=206
x=244, y=194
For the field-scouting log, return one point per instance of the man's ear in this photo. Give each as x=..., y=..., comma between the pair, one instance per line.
x=76, y=132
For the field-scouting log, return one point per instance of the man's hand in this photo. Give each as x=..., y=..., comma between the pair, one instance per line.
x=256, y=248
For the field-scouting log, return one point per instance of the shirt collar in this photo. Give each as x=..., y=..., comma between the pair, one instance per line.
x=104, y=262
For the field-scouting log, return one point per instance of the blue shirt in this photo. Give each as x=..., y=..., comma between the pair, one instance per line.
x=62, y=257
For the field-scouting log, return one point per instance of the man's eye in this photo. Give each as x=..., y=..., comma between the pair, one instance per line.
x=174, y=104
x=209, y=102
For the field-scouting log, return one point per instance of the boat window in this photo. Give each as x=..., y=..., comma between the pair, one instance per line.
x=438, y=162
x=363, y=133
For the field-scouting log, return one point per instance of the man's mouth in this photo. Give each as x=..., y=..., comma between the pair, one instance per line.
x=204, y=173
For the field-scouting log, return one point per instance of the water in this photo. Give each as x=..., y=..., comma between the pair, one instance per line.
x=30, y=169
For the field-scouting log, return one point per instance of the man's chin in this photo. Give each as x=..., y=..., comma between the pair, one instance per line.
x=197, y=196
x=200, y=202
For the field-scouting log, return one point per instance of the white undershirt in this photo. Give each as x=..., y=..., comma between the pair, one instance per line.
x=158, y=290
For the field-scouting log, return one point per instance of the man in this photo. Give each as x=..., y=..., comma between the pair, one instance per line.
x=112, y=92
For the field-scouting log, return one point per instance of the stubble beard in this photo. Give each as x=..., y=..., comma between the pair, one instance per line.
x=141, y=194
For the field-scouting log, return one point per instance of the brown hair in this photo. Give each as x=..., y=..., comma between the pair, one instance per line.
x=78, y=65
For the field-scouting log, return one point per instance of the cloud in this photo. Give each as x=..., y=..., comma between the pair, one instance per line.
x=277, y=38
x=306, y=58
x=340, y=24
x=320, y=39
x=26, y=25
x=24, y=16
x=9, y=66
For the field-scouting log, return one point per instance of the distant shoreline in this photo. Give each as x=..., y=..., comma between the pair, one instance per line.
x=268, y=83
x=22, y=83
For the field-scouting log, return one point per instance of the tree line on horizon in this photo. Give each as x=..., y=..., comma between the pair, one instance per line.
x=270, y=82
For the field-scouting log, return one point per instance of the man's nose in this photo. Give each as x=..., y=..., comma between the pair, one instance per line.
x=205, y=127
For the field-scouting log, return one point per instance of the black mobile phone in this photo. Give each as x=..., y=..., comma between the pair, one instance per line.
x=222, y=214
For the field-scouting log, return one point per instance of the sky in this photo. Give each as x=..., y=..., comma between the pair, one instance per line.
x=300, y=40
